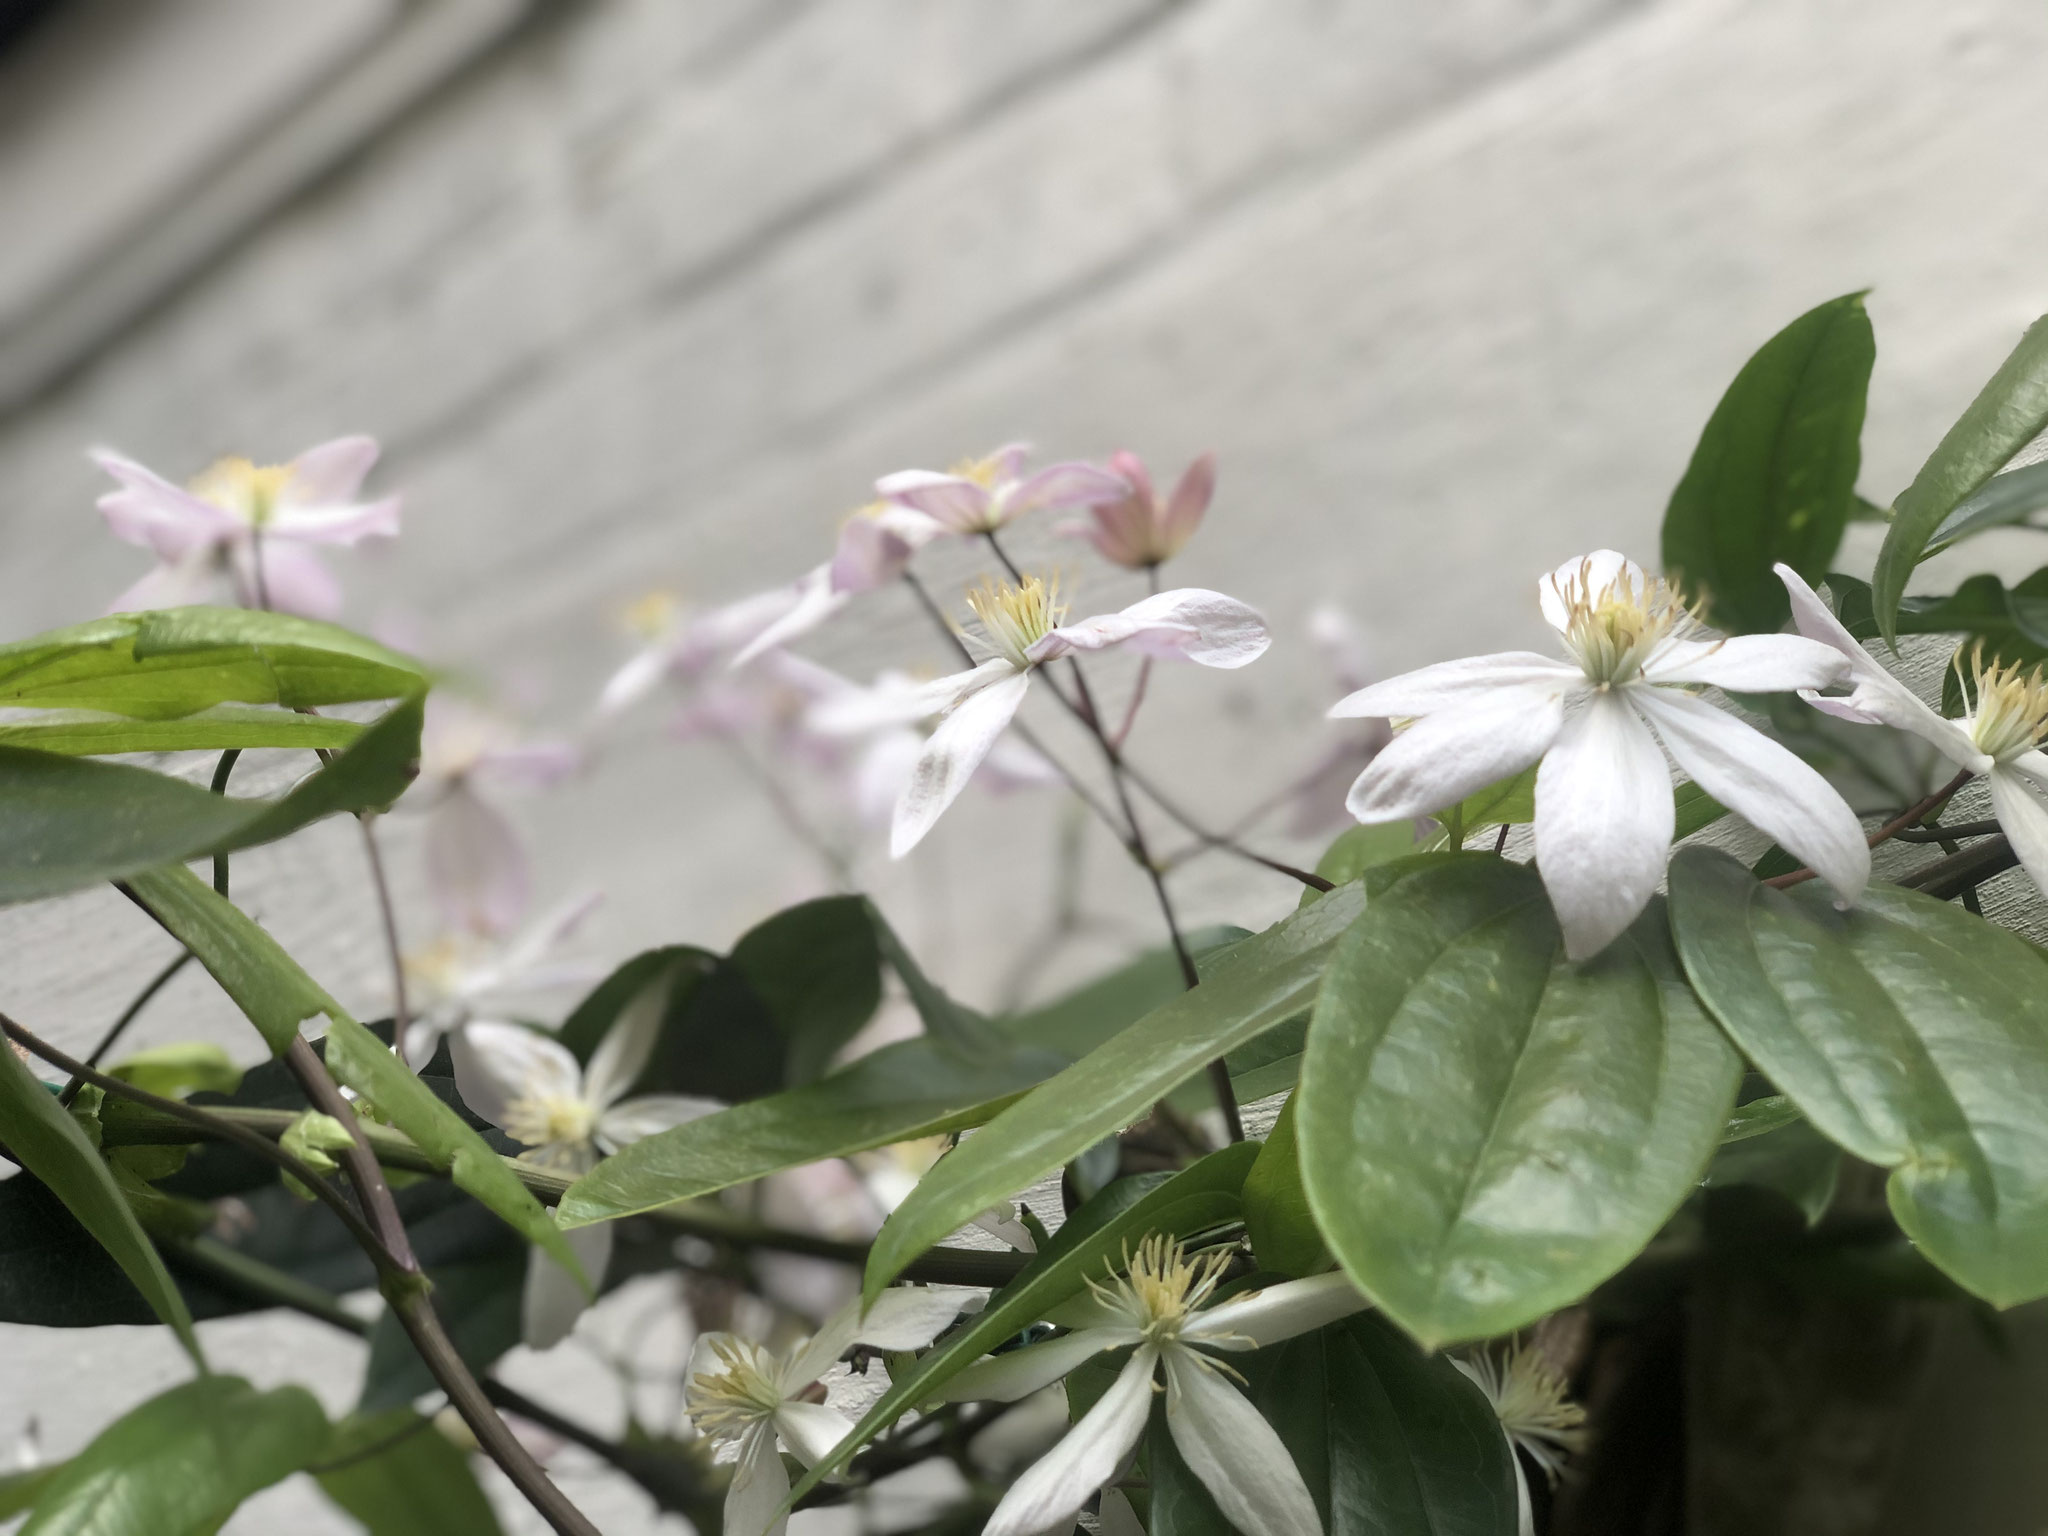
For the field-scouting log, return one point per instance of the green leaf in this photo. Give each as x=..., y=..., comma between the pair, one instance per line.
x=1277, y=1219
x=818, y=967
x=2008, y=413
x=20, y=1490
x=43, y=1137
x=191, y=1066
x=160, y=666
x=1081, y=1020
x=1759, y=1117
x=480, y=1304
x=83, y=734
x=72, y=822
x=1357, y=849
x=1089, y=1246
x=1257, y=984
x=1774, y=475
x=2005, y=499
x=181, y=1463
x=1983, y=606
x=1911, y=1033
x=1510, y=800
x=951, y=1026
x=400, y=1477
x=1695, y=810
x=1488, y=1130
x=1791, y=1159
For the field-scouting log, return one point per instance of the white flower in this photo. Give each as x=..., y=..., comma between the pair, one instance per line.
x=460, y=976
x=983, y=495
x=1530, y=1398
x=1999, y=738
x=685, y=647
x=536, y=1092
x=1024, y=626
x=1604, y=812
x=743, y=1395
x=1154, y=1310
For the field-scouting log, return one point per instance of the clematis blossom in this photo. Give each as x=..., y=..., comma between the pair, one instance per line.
x=1604, y=809
x=874, y=548
x=1140, y=531
x=743, y=1395
x=1157, y=1310
x=246, y=527
x=684, y=647
x=1025, y=627
x=1537, y=1417
x=984, y=495
x=463, y=976
x=569, y=1116
x=2000, y=738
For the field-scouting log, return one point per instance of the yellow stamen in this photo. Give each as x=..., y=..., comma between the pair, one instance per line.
x=652, y=616
x=725, y=1404
x=556, y=1126
x=982, y=472
x=248, y=490
x=2010, y=713
x=1162, y=1287
x=1013, y=619
x=1614, y=629
x=1532, y=1400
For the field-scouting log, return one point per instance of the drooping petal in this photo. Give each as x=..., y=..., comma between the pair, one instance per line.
x=896, y=699
x=1063, y=487
x=149, y=510
x=1768, y=786
x=344, y=525
x=1442, y=758
x=759, y=1487
x=634, y=1119
x=180, y=583
x=815, y=602
x=330, y=473
x=1454, y=684
x=2033, y=764
x=1604, y=818
x=953, y=501
x=1750, y=663
x=1275, y=1312
x=553, y=1299
x=2025, y=820
x=1055, y=1487
x=1231, y=1448
x=1188, y=624
x=950, y=756
x=476, y=866
x=882, y=770
x=1008, y=1377
x=622, y=1055
x=497, y=1064
x=1812, y=617
x=295, y=580
x=871, y=553
x=811, y=1430
x=1587, y=574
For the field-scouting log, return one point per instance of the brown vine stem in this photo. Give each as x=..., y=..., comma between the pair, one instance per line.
x=1899, y=823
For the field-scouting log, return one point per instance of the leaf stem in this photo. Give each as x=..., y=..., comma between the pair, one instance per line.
x=1891, y=829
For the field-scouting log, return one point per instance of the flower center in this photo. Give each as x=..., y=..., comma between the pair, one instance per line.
x=1532, y=1401
x=248, y=490
x=554, y=1123
x=653, y=616
x=726, y=1403
x=982, y=472
x=1013, y=619
x=1612, y=630
x=1162, y=1287
x=2012, y=707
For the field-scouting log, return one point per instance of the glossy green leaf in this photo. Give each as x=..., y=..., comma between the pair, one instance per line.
x=479, y=1304
x=1089, y=1246
x=181, y=1463
x=20, y=1490
x=1759, y=1117
x=1277, y=1218
x=81, y=734
x=1256, y=985
x=2008, y=413
x=2004, y=500
x=1082, y=1019
x=1488, y=1130
x=950, y=1026
x=818, y=968
x=72, y=822
x=1357, y=849
x=1791, y=1159
x=1911, y=1033
x=1774, y=475
x=400, y=1476
x=50, y=1144
x=160, y=666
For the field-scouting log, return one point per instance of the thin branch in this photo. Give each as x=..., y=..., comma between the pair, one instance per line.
x=1891, y=829
x=129, y=1014
x=387, y=913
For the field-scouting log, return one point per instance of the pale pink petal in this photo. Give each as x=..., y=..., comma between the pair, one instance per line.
x=345, y=524
x=1127, y=464
x=815, y=603
x=1604, y=818
x=1750, y=664
x=951, y=755
x=1064, y=487
x=1235, y=1453
x=498, y=1064
x=1052, y=1491
x=476, y=868
x=1589, y=574
x=295, y=580
x=527, y=765
x=1768, y=786
x=1007, y=462
x=552, y=1298
x=1442, y=758
x=955, y=502
x=869, y=555
x=1190, y=499
x=1455, y=684
x=149, y=510
x=2025, y=820
x=1187, y=624
x=193, y=580
x=331, y=473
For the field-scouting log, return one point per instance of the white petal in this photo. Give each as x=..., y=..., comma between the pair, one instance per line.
x=2025, y=819
x=650, y=1113
x=896, y=699
x=553, y=1298
x=1441, y=759
x=953, y=501
x=813, y=1358
x=1525, y=1513
x=497, y=1063
x=1228, y=1444
x=951, y=755
x=1008, y=1377
x=1762, y=782
x=1812, y=617
x=1604, y=819
x=1750, y=663
x=622, y=1055
x=344, y=524
x=1188, y=623
x=811, y=1429
x=329, y=473
x=760, y=1485
x=2033, y=764
x=639, y=677
x=476, y=866
x=1453, y=684
x=1589, y=573
x=1052, y=1492
x=1276, y=1312
x=815, y=602
x=911, y=1316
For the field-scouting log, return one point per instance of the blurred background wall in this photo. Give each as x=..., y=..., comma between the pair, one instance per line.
x=645, y=293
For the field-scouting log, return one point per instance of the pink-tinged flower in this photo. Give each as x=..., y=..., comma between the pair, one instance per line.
x=1139, y=530
x=1025, y=627
x=2000, y=738
x=461, y=976
x=1604, y=810
x=213, y=532
x=875, y=547
x=476, y=864
x=983, y=495
x=682, y=647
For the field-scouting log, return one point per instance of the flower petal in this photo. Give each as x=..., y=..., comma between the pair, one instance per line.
x=1442, y=758
x=553, y=1298
x=476, y=867
x=347, y=524
x=626, y=1048
x=895, y=699
x=953, y=501
x=759, y=1487
x=911, y=1316
x=2025, y=819
x=1063, y=487
x=1053, y=1490
x=295, y=580
x=1604, y=817
x=1750, y=663
x=950, y=756
x=1588, y=574
x=1762, y=782
x=1228, y=1444
x=637, y=1118
x=1186, y=624
x=640, y=676
x=149, y=510
x=178, y=583
x=1190, y=499
x=496, y=1064
x=1018, y=1373
x=811, y=1430
x=1276, y=1312
x=814, y=602
x=330, y=473
x=1454, y=684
